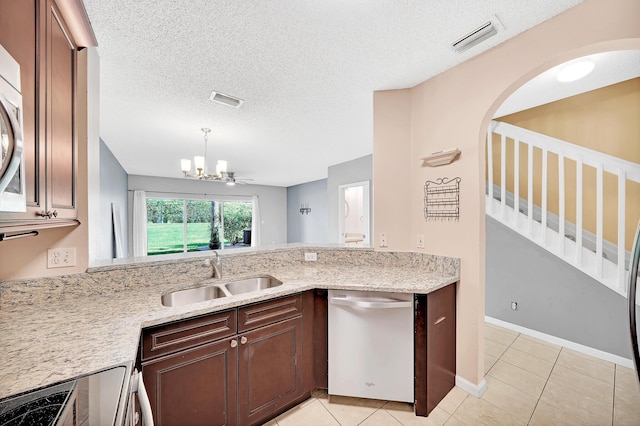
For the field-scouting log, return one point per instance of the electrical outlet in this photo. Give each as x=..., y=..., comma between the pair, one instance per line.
x=420, y=241
x=383, y=240
x=514, y=306
x=311, y=257
x=61, y=257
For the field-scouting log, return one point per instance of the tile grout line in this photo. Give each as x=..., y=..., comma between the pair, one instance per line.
x=459, y=405
x=396, y=419
x=329, y=411
x=569, y=367
x=546, y=380
x=375, y=411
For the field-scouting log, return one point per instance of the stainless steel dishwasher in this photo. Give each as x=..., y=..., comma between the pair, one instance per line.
x=371, y=345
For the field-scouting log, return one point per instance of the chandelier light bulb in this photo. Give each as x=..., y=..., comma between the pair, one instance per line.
x=186, y=165
x=221, y=167
x=199, y=162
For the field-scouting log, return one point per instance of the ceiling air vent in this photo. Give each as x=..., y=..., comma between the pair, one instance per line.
x=475, y=37
x=225, y=99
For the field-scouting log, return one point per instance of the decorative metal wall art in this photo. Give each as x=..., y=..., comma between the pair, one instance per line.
x=442, y=199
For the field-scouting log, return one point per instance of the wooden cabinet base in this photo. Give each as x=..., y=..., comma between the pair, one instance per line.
x=435, y=329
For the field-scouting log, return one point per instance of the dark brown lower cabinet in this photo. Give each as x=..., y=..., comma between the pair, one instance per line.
x=435, y=347
x=195, y=386
x=238, y=367
x=269, y=370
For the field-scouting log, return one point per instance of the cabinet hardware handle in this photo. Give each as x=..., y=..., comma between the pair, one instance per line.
x=243, y=340
x=234, y=343
x=439, y=320
x=49, y=214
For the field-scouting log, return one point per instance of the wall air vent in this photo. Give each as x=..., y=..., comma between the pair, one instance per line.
x=475, y=37
x=225, y=99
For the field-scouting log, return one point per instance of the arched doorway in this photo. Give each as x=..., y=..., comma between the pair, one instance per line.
x=576, y=326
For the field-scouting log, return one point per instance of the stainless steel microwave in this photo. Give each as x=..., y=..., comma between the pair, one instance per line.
x=12, y=179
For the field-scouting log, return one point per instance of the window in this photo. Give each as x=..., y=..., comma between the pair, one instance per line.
x=177, y=226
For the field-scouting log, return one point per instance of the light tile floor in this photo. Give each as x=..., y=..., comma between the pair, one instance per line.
x=530, y=382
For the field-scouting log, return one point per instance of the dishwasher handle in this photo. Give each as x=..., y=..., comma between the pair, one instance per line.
x=359, y=303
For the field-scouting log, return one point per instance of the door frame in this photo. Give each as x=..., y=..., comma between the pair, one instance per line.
x=366, y=198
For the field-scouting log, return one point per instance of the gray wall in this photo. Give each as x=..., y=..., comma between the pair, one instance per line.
x=553, y=297
x=113, y=190
x=312, y=227
x=272, y=199
x=358, y=170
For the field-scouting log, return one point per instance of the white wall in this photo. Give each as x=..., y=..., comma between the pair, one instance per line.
x=272, y=199
x=358, y=170
x=312, y=227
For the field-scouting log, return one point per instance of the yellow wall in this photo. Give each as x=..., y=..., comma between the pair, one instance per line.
x=453, y=109
x=605, y=120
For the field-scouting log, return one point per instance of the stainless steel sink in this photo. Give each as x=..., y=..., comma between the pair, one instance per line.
x=192, y=295
x=252, y=284
x=215, y=291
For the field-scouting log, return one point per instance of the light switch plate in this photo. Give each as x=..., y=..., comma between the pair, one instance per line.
x=61, y=257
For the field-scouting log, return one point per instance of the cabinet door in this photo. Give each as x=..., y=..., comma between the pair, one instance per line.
x=20, y=35
x=269, y=370
x=195, y=386
x=35, y=34
x=60, y=110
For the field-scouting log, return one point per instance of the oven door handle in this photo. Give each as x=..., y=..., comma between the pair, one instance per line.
x=143, y=399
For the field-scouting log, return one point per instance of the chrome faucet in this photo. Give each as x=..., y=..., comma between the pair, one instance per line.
x=216, y=263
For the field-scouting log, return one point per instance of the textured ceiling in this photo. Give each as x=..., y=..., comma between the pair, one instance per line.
x=305, y=69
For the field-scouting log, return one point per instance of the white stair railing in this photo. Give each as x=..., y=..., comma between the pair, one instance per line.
x=590, y=260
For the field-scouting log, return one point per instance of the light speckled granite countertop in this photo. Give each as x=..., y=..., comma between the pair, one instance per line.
x=54, y=329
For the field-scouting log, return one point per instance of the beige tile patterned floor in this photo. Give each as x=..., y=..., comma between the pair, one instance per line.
x=529, y=382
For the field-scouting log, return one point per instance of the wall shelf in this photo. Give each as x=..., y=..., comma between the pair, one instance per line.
x=440, y=158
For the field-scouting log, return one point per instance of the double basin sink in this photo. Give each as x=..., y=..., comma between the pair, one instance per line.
x=215, y=291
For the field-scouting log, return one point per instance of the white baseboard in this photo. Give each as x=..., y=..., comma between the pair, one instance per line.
x=596, y=353
x=470, y=388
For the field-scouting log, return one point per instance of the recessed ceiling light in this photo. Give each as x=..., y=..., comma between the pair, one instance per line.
x=575, y=71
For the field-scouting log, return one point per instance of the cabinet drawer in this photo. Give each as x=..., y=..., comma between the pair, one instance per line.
x=269, y=312
x=169, y=338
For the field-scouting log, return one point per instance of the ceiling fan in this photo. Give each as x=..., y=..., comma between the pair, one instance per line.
x=221, y=175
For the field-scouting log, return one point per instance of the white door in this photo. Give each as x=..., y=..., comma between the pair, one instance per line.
x=353, y=214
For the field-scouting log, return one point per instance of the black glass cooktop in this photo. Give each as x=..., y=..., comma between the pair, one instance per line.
x=68, y=402
x=40, y=408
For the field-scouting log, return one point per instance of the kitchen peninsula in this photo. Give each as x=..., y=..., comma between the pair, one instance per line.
x=55, y=329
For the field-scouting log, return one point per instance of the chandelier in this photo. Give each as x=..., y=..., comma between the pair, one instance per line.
x=200, y=163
